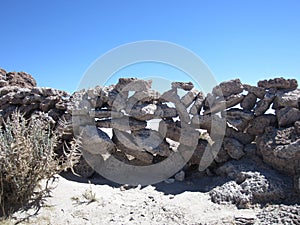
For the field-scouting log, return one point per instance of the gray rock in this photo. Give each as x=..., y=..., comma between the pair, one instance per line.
x=126, y=143
x=257, y=91
x=49, y=103
x=95, y=141
x=297, y=127
x=133, y=84
x=198, y=103
x=189, y=97
x=101, y=114
x=287, y=99
x=287, y=116
x=264, y=104
x=152, y=142
x=250, y=184
x=186, y=136
x=228, y=88
x=258, y=125
x=220, y=105
x=150, y=111
x=187, y=86
x=234, y=148
x=239, y=118
x=280, y=148
x=124, y=124
x=243, y=137
x=180, y=176
x=249, y=101
x=278, y=83
x=20, y=79
x=145, y=96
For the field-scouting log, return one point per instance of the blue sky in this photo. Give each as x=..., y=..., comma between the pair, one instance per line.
x=56, y=41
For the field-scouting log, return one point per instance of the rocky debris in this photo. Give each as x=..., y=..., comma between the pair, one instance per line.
x=228, y=88
x=287, y=99
x=246, y=187
x=278, y=83
x=280, y=148
x=187, y=86
x=279, y=214
x=144, y=96
x=287, y=116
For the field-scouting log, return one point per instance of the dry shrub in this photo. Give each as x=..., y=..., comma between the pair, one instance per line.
x=26, y=157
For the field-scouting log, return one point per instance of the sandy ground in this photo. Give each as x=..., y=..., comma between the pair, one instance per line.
x=75, y=201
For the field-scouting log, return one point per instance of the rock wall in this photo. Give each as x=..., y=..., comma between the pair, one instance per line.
x=237, y=110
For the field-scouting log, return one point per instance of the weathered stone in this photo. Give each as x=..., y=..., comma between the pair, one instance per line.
x=133, y=84
x=228, y=102
x=198, y=103
x=187, y=86
x=287, y=99
x=297, y=127
x=124, y=124
x=49, y=103
x=145, y=96
x=20, y=79
x=2, y=72
x=280, y=148
x=95, y=141
x=222, y=156
x=126, y=143
x=7, y=89
x=258, y=124
x=210, y=100
x=180, y=176
x=250, y=184
x=101, y=114
x=258, y=91
x=172, y=96
x=186, y=136
x=3, y=83
x=152, y=142
x=228, y=88
x=198, y=153
x=238, y=118
x=33, y=98
x=264, y=104
x=243, y=137
x=249, y=101
x=116, y=100
x=215, y=125
x=189, y=97
x=287, y=116
x=234, y=148
x=278, y=83
x=150, y=111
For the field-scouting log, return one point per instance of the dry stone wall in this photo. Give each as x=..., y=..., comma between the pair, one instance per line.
x=239, y=111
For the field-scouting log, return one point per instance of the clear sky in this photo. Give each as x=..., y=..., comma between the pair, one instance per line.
x=56, y=41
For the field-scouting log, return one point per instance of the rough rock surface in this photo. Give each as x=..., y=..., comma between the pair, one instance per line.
x=228, y=88
x=280, y=148
x=278, y=83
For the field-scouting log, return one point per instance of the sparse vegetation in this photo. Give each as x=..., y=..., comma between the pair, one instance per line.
x=26, y=157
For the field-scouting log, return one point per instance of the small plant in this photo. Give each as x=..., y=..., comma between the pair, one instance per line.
x=88, y=196
x=26, y=157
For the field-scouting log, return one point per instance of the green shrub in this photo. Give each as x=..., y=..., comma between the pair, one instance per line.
x=26, y=157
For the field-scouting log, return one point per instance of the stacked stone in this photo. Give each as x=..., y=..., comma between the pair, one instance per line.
x=238, y=112
x=128, y=116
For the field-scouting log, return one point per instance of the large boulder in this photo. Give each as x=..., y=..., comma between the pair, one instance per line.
x=280, y=148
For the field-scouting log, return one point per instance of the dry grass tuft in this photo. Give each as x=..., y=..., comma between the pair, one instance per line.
x=26, y=157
